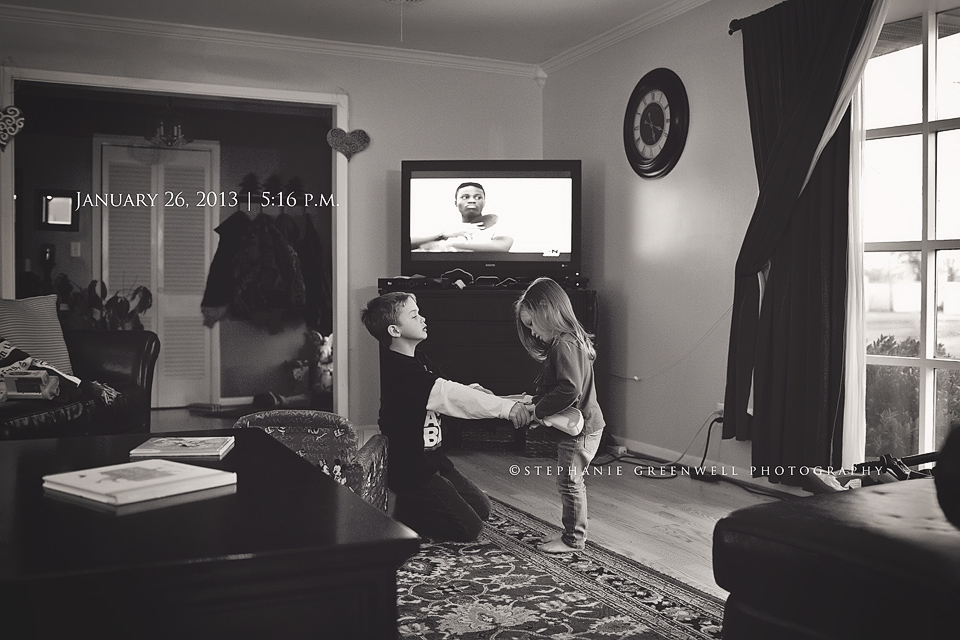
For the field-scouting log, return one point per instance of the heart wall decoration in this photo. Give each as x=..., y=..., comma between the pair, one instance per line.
x=349, y=144
x=11, y=121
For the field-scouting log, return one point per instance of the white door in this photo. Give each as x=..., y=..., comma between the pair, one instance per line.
x=157, y=226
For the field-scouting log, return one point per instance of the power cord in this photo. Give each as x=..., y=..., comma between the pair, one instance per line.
x=701, y=471
x=669, y=470
x=665, y=470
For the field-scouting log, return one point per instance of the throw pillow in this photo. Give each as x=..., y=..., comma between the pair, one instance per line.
x=32, y=325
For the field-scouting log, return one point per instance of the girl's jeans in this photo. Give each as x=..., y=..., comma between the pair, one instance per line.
x=574, y=455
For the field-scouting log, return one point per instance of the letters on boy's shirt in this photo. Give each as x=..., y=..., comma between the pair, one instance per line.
x=432, y=435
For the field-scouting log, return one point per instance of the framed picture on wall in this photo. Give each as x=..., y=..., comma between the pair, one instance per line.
x=57, y=210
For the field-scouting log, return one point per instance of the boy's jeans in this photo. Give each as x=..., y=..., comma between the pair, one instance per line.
x=573, y=456
x=448, y=507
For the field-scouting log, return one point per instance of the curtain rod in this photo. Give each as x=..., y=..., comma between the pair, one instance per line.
x=734, y=27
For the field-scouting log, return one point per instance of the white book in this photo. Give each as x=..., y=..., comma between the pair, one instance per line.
x=145, y=505
x=136, y=481
x=212, y=447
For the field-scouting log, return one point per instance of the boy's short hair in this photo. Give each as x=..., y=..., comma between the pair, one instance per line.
x=383, y=311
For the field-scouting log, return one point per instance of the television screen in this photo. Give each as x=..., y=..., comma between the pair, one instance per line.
x=506, y=218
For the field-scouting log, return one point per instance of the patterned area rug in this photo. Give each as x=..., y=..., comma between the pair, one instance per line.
x=501, y=587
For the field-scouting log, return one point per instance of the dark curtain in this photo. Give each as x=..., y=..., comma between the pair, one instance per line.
x=792, y=266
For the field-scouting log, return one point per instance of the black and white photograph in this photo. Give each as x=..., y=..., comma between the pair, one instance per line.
x=450, y=319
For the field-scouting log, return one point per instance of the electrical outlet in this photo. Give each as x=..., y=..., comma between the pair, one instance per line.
x=720, y=408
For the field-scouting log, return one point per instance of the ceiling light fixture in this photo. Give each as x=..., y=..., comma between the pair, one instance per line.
x=167, y=128
x=401, y=3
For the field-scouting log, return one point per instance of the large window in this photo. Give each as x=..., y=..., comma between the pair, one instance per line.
x=911, y=233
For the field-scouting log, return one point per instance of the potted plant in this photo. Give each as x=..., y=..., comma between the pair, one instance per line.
x=93, y=308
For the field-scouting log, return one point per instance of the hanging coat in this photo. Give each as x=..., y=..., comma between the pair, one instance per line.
x=218, y=293
x=316, y=278
x=266, y=274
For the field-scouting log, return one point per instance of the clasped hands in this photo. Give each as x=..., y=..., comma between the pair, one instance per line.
x=521, y=413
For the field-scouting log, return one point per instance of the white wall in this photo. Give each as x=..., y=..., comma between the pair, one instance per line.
x=662, y=252
x=410, y=109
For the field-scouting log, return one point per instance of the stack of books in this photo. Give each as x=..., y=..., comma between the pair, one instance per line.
x=145, y=483
x=208, y=448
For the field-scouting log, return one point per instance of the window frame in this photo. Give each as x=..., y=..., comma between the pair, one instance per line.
x=928, y=245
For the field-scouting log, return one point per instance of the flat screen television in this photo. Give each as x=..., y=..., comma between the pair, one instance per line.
x=513, y=219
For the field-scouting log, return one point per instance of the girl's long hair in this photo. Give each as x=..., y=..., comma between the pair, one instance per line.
x=546, y=301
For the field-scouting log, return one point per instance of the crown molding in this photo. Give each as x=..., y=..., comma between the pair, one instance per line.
x=73, y=20
x=639, y=24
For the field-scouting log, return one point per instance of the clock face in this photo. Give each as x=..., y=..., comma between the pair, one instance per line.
x=655, y=124
x=651, y=126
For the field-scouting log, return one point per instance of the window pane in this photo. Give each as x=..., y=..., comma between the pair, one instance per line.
x=948, y=186
x=948, y=64
x=892, y=189
x=892, y=410
x=948, y=304
x=948, y=404
x=892, y=81
x=892, y=293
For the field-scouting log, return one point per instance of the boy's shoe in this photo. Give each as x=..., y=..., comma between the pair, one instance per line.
x=557, y=546
x=569, y=421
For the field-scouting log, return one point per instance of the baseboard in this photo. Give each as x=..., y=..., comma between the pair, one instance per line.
x=733, y=473
x=235, y=401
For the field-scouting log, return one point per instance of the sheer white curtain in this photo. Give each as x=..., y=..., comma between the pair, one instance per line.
x=851, y=81
x=854, y=406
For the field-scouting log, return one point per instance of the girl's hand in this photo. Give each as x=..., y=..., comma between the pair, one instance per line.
x=519, y=415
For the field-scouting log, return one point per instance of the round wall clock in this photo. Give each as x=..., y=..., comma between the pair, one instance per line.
x=655, y=124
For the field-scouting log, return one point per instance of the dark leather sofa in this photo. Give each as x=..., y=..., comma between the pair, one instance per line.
x=122, y=360
x=875, y=562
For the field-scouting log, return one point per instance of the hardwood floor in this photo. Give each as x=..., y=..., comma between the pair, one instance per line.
x=666, y=524
x=168, y=420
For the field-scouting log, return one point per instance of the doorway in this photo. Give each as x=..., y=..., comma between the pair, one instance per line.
x=250, y=103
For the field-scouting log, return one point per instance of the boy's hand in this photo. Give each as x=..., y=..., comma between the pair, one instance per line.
x=519, y=415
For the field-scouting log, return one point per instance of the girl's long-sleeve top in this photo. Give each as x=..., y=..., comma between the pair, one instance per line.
x=566, y=380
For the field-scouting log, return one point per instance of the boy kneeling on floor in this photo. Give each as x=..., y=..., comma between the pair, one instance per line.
x=433, y=497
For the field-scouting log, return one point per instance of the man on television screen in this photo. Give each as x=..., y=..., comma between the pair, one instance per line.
x=476, y=231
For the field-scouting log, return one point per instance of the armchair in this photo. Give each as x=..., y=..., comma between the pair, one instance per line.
x=329, y=441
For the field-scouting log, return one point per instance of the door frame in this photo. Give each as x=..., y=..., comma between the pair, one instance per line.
x=337, y=101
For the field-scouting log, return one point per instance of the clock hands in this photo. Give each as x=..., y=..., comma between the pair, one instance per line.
x=653, y=127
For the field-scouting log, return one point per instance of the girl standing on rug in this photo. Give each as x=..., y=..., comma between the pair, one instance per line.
x=552, y=335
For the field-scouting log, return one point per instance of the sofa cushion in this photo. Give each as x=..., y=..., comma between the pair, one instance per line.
x=870, y=562
x=32, y=325
x=83, y=410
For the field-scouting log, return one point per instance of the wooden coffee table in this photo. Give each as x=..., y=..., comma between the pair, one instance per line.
x=291, y=554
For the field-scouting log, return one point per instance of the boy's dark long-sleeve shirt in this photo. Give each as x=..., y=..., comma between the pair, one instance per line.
x=412, y=394
x=566, y=380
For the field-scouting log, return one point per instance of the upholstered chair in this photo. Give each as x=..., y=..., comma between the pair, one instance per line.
x=329, y=441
